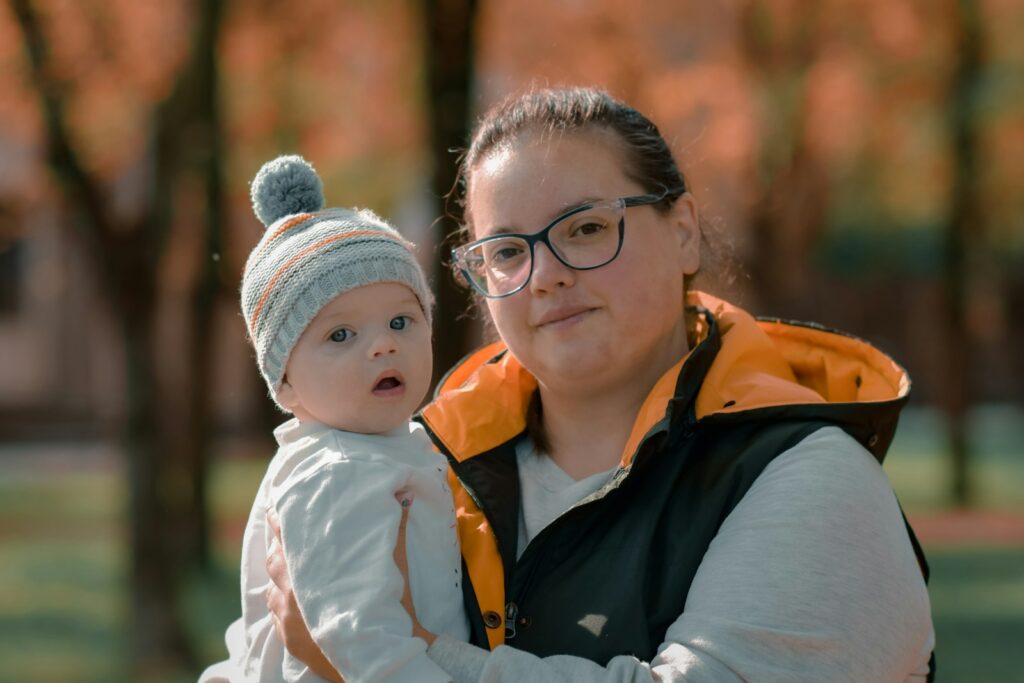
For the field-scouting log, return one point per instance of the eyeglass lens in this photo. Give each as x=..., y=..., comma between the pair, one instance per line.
x=583, y=240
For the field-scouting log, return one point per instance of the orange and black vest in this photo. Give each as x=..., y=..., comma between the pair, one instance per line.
x=611, y=575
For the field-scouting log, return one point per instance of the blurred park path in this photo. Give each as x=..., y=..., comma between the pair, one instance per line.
x=958, y=527
x=57, y=458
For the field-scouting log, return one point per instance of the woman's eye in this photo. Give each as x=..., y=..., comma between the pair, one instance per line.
x=341, y=335
x=588, y=229
x=505, y=253
x=400, y=322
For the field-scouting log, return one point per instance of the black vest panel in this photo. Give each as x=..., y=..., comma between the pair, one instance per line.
x=610, y=576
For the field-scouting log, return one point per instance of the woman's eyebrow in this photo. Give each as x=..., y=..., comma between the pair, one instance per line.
x=558, y=213
x=572, y=206
x=496, y=231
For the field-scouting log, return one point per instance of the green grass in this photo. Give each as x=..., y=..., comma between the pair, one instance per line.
x=63, y=609
x=978, y=608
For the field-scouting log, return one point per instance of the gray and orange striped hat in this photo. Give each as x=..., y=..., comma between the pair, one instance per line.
x=309, y=255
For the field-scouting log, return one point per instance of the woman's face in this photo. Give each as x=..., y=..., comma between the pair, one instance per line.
x=580, y=331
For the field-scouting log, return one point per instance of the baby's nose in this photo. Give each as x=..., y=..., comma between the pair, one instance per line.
x=383, y=345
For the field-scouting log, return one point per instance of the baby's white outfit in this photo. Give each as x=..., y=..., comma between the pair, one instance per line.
x=334, y=493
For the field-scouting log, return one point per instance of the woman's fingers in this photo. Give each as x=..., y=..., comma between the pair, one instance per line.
x=291, y=629
x=276, y=566
x=401, y=558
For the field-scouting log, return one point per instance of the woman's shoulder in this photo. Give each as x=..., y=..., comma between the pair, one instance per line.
x=832, y=452
x=827, y=472
x=826, y=505
x=819, y=544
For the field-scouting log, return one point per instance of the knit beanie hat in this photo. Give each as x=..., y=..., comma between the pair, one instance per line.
x=309, y=255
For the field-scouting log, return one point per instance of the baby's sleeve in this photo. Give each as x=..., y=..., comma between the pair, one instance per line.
x=339, y=525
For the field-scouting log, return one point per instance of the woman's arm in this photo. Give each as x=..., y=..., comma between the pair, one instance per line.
x=811, y=578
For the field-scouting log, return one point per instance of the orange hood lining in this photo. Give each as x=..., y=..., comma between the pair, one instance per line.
x=766, y=363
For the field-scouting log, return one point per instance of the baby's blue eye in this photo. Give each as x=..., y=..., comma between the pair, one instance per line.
x=341, y=335
x=400, y=322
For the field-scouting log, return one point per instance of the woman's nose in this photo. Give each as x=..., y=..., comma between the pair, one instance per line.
x=385, y=343
x=548, y=272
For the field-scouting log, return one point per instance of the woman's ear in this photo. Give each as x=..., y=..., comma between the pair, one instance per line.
x=686, y=226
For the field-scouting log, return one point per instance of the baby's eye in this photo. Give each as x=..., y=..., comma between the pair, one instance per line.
x=399, y=322
x=341, y=335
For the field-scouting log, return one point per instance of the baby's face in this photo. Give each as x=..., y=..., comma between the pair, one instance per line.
x=363, y=364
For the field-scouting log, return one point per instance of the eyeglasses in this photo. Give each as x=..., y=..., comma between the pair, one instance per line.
x=585, y=238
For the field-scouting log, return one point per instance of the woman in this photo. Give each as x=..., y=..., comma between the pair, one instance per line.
x=651, y=484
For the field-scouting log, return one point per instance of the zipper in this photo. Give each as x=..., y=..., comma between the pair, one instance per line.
x=511, y=614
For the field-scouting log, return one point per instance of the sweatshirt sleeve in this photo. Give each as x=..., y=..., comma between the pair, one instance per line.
x=339, y=525
x=811, y=577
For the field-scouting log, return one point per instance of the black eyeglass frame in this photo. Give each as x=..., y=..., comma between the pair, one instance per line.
x=458, y=253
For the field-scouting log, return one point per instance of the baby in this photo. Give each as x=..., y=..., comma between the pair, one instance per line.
x=338, y=311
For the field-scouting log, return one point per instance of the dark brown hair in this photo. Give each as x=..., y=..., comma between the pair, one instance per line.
x=649, y=161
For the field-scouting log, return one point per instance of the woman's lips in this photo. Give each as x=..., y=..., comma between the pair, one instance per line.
x=563, y=317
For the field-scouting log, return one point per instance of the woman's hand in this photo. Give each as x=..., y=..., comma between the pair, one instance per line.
x=285, y=610
x=402, y=560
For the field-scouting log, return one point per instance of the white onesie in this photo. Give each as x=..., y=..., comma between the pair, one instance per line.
x=334, y=492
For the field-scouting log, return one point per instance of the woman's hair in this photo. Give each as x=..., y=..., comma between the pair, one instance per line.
x=649, y=161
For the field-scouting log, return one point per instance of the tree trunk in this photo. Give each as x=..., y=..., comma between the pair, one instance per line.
x=450, y=29
x=162, y=466
x=963, y=231
x=790, y=203
x=158, y=642
x=210, y=166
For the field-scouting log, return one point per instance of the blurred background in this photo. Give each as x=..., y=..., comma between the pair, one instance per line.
x=859, y=163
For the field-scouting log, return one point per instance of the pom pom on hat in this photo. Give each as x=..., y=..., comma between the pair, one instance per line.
x=285, y=186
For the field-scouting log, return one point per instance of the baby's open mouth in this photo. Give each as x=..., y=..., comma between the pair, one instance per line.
x=388, y=383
